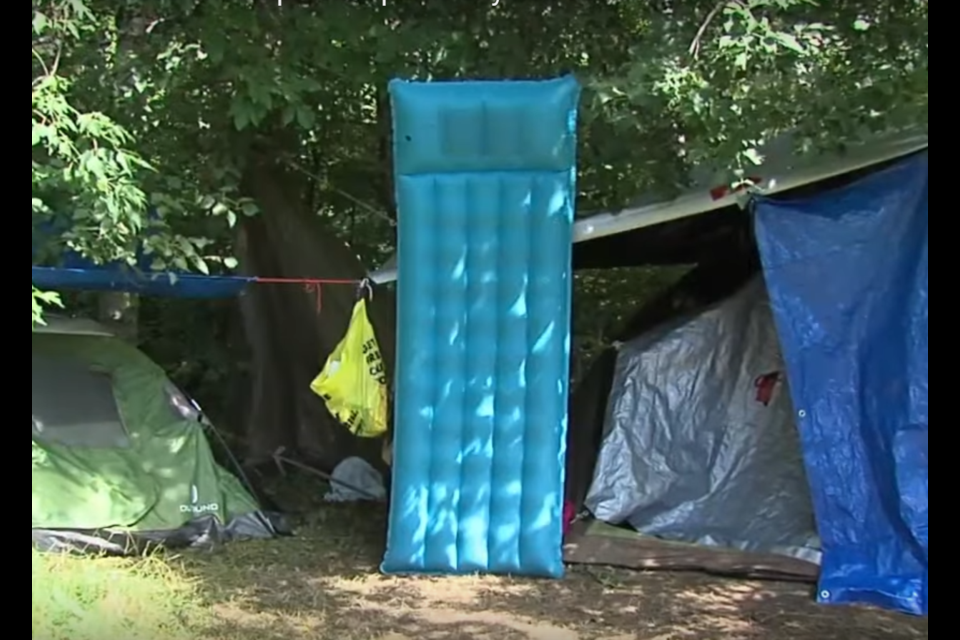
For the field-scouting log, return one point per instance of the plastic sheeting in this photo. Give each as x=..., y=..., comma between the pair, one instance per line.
x=116, y=277
x=355, y=480
x=848, y=277
x=700, y=443
x=74, y=272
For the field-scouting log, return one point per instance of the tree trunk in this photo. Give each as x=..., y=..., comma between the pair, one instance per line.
x=387, y=199
x=290, y=331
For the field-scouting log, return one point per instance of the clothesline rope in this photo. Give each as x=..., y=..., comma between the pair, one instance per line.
x=314, y=285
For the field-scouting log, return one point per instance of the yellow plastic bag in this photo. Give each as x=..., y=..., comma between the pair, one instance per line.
x=353, y=382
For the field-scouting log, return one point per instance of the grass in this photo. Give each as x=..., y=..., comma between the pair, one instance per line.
x=95, y=598
x=324, y=584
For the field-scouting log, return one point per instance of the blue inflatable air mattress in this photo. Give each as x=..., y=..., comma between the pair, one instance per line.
x=485, y=192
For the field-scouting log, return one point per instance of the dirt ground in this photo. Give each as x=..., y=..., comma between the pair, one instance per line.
x=324, y=584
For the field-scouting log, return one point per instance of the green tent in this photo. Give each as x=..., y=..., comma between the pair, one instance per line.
x=120, y=455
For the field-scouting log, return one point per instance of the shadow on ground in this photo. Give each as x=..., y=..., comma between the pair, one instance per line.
x=324, y=584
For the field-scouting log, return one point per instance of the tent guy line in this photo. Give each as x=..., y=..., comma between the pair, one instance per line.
x=315, y=285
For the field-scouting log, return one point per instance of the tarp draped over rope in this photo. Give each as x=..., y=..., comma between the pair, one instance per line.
x=119, y=278
x=75, y=272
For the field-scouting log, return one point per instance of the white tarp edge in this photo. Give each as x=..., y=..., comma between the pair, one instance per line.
x=702, y=201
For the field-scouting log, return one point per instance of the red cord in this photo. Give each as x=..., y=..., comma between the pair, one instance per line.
x=310, y=285
x=305, y=280
x=719, y=192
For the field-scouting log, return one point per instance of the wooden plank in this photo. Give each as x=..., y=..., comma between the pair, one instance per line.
x=597, y=546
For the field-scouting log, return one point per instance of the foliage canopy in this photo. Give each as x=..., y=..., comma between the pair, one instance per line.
x=188, y=126
x=167, y=104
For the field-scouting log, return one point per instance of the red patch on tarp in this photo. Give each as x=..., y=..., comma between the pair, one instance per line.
x=766, y=385
x=569, y=514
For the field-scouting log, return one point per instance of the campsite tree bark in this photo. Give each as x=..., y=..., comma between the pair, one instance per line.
x=292, y=328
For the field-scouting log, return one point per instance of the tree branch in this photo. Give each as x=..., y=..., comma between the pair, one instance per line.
x=694, y=49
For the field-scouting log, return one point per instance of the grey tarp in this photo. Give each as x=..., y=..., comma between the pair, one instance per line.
x=699, y=440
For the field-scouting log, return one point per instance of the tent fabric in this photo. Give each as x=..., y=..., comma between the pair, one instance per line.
x=485, y=192
x=713, y=280
x=700, y=444
x=75, y=406
x=160, y=482
x=847, y=273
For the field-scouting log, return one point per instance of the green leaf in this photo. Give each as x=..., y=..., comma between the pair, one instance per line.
x=40, y=23
x=790, y=42
x=241, y=119
x=95, y=166
x=306, y=118
x=230, y=262
x=690, y=91
x=753, y=156
x=242, y=114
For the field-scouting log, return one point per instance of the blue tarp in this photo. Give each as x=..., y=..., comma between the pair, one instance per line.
x=122, y=278
x=74, y=272
x=848, y=279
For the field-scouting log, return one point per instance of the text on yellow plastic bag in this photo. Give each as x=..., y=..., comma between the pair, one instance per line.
x=353, y=382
